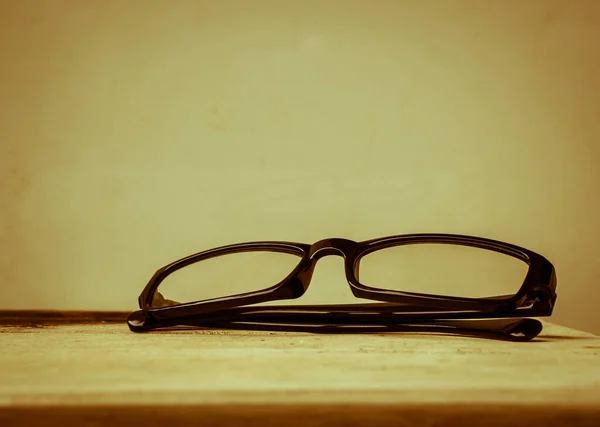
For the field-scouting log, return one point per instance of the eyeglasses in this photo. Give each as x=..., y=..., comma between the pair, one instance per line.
x=421, y=282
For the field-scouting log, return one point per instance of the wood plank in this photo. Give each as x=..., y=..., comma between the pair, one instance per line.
x=59, y=317
x=101, y=372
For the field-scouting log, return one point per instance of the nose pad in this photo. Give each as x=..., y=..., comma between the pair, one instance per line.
x=328, y=284
x=340, y=247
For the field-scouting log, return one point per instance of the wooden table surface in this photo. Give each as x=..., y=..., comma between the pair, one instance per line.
x=101, y=373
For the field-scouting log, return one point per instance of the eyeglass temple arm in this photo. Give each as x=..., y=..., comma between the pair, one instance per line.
x=509, y=329
x=504, y=329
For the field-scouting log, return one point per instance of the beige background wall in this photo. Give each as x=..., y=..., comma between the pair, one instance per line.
x=136, y=132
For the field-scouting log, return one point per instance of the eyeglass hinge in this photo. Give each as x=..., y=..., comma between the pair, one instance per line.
x=538, y=299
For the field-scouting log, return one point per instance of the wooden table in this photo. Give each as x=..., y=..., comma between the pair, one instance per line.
x=56, y=372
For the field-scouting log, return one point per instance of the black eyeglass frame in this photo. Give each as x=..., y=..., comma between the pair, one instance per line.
x=535, y=297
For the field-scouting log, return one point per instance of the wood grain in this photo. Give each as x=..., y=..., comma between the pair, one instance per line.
x=57, y=373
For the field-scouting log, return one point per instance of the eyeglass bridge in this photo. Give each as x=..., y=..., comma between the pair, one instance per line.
x=333, y=246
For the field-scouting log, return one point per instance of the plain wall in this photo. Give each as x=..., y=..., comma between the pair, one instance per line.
x=136, y=132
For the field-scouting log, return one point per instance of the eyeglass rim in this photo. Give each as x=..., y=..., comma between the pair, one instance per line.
x=540, y=278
